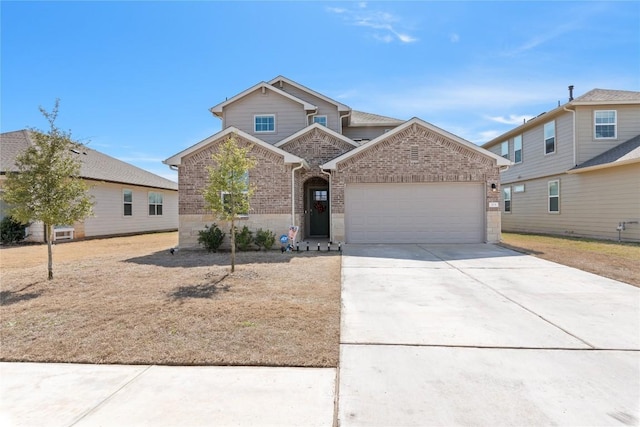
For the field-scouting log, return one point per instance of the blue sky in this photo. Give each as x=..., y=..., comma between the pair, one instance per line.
x=136, y=79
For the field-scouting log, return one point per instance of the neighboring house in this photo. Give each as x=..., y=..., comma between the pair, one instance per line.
x=576, y=168
x=127, y=199
x=343, y=174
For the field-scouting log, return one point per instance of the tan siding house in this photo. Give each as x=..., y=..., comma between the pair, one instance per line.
x=355, y=177
x=590, y=184
x=127, y=199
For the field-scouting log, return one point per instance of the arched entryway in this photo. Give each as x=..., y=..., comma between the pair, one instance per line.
x=316, y=208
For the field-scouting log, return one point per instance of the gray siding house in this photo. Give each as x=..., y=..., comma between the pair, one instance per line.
x=128, y=200
x=343, y=174
x=576, y=169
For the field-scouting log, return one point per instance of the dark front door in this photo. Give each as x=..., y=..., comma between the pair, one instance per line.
x=319, y=212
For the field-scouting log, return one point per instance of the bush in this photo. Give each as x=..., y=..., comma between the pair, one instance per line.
x=244, y=239
x=211, y=238
x=264, y=239
x=11, y=231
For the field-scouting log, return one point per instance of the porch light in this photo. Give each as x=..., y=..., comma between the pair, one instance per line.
x=494, y=188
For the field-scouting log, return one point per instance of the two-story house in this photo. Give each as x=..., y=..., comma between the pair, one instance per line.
x=344, y=174
x=576, y=168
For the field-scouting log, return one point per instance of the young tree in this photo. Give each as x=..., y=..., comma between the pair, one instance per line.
x=46, y=186
x=228, y=191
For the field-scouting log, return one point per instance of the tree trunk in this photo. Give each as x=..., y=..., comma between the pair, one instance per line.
x=49, y=232
x=233, y=246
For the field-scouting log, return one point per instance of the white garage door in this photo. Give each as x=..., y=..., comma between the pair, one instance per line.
x=415, y=213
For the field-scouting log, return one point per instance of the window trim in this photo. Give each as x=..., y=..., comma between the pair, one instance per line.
x=326, y=120
x=549, y=196
x=506, y=191
x=544, y=137
x=255, y=127
x=515, y=150
x=614, y=124
x=149, y=204
x=504, y=153
x=125, y=203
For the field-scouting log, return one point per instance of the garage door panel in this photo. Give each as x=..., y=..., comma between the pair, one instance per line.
x=414, y=213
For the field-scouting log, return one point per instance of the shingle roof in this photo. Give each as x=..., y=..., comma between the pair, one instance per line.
x=95, y=165
x=360, y=118
x=627, y=152
x=606, y=95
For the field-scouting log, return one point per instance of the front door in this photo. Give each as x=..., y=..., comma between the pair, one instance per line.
x=318, y=199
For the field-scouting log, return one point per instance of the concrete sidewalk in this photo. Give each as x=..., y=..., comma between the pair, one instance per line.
x=480, y=335
x=38, y=394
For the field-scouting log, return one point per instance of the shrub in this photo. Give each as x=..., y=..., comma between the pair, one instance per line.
x=11, y=231
x=264, y=239
x=211, y=237
x=244, y=239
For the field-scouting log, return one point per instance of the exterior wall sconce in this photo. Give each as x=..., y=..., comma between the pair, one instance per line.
x=494, y=188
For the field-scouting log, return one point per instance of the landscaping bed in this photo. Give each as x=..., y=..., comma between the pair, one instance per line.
x=128, y=300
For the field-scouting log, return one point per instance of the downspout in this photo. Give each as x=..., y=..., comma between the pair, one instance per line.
x=574, y=135
x=293, y=193
x=311, y=114
x=340, y=121
x=329, y=202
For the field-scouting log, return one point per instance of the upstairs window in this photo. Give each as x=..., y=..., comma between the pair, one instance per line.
x=550, y=138
x=554, y=196
x=605, y=124
x=506, y=193
x=265, y=123
x=320, y=120
x=155, y=204
x=504, y=149
x=517, y=149
x=127, y=200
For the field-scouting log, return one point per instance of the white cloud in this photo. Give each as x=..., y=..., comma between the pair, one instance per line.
x=512, y=119
x=385, y=24
x=454, y=38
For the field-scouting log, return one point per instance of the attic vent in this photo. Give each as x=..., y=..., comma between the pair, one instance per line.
x=414, y=154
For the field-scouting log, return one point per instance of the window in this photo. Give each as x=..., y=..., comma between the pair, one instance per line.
x=506, y=192
x=265, y=123
x=320, y=195
x=504, y=149
x=155, y=203
x=517, y=149
x=320, y=119
x=550, y=138
x=605, y=124
x=127, y=199
x=226, y=200
x=554, y=196
x=518, y=188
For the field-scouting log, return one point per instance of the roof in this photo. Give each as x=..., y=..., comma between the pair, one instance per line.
x=360, y=118
x=500, y=161
x=340, y=106
x=176, y=159
x=593, y=97
x=321, y=128
x=625, y=153
x=94, y=164
x=217, y=109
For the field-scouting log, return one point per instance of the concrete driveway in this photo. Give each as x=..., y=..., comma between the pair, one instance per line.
x=481, y=335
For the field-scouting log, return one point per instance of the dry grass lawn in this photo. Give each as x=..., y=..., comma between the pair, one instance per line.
x=128, y=300
x=619, y=261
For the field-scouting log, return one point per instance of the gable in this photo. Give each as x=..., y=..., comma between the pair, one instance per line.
x=317, y=144
x=414, y=143
x=262, y=87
